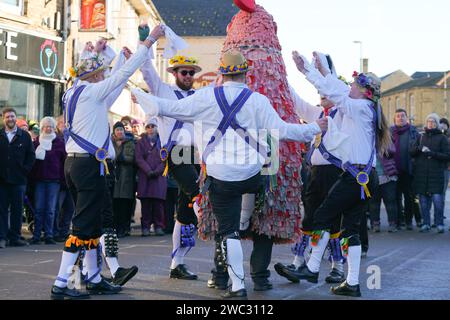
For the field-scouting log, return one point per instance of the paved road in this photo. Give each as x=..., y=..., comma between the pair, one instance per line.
x=412, y=266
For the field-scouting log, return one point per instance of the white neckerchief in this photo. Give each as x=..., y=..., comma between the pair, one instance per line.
x=45, y=144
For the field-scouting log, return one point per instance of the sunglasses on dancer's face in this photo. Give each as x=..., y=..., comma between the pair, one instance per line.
x=184, y=73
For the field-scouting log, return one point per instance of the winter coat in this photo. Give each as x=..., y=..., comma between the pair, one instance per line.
x=151, y=183
x=388, y=162
x=52, y=167
x=16, y=158
x=125, y=171
x=429, y=167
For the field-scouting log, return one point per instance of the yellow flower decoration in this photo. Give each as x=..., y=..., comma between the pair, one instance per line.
x=73, y=72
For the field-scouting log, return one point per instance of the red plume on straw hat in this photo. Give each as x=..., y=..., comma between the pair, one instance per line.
x=246, y=5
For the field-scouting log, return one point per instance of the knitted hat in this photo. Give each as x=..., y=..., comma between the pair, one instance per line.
x=118, y=124
x=433, y=116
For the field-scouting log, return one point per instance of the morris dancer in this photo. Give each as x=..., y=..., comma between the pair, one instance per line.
x=323, y=176
x=88, y=140
x=233, y=168
x=177, y=141
x=364, y=122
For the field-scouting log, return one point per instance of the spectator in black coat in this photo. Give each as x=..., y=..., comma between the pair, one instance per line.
x=16, y=160
x=431, y=155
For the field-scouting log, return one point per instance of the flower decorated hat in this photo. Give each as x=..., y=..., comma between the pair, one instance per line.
x=87, y=67
x=179, y=61
x=370, y=84
x=233, y=62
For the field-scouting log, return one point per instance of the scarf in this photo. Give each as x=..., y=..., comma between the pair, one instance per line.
x=396, y=133
x=45, y=144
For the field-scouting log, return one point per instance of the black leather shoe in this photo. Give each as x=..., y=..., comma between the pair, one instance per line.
x=50, y=241
x=60, y=239
x=18, y=243
x=287, y=272
x=335, y=276
x=181, y=272
x=262, y=285
x=344, y=289
x=103, y=287
x=303, y=273
x=122, y=275
x=58, y=293
x=238, y=295
x=218, y=280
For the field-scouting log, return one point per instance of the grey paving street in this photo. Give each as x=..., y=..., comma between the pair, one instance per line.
x=411, y=265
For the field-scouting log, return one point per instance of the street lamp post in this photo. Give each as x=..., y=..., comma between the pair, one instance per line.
x=360, y=55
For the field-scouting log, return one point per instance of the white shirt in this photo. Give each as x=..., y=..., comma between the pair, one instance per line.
x=11, y=134
x=357, y=119
x=185, y=136
x=91, y=115
x=311, y=113
x=232, y=159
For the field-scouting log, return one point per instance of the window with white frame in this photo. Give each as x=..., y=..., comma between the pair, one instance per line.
x=397, y=103
x=412, y=106
x=12, y=6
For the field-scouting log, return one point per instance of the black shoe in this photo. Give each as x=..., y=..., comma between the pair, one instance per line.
x=218, y=280
x=159, y=232
x=34, y=241
x=50, y=241
x=287, y=271
x=181, y=272
x=262, y=285
x=122, y=275
x=58, y=293
x=344, y=289
x=17, y=243
x=303, y=273
x=103, y=287
x=335, y=276
x=240, y=294
x=60, y=239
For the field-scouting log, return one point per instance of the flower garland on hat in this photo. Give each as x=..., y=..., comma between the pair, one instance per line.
x=366, y=82
x=233, y=68
x=182, y=60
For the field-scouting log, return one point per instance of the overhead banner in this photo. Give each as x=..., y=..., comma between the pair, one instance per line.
x=93, y=15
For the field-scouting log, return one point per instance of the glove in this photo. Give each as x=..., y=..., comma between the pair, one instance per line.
x=144, y=31
x=152, y=174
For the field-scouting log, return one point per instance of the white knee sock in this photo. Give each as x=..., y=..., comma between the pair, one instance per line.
x=111, y=262
x=91, y=265
x=248, y=205
x=235, y=262
x=176, y=242
x=68, y=260
x=353, y=261
x=338, y=265
x=317, y=253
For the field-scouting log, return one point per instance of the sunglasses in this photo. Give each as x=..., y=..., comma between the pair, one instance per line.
x=185, y=73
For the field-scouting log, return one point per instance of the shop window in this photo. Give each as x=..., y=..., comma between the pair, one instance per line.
x=12, y=6
x=27, y=97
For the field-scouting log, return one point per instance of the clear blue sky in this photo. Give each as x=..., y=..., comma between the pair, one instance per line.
x=411, y=35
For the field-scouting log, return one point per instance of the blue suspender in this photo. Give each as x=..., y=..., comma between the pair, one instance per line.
x=362, y=177
x=69, y=111
x=229, y=120
x=313, y=147
x=165, y=151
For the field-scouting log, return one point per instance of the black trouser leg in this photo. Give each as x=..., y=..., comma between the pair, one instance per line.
x=186, y=176
x=261, y=257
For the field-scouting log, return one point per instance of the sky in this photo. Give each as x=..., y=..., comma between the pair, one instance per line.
x=410, y=35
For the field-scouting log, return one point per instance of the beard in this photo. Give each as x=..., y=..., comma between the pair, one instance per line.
x=183, y=86
x=10, y=124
